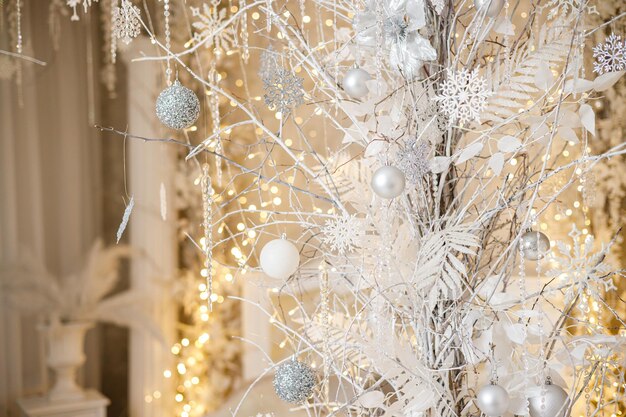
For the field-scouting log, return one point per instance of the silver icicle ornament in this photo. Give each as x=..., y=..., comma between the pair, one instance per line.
x=177, y=107
x=294, y=381
x=355, y=82
x=552, y=401
x=388, y=182
x=534, y=245
x=493, y=400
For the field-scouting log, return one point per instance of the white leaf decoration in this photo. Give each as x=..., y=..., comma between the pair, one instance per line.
x=515, y=332
x=163, y=199
x=372, y=399
x=509, y=144
x=544, y=77
x=469, y=152
x=374, y=148
x=568, y=134
x=579, y=85
x=439, y=164
x=496, y=162
x=606, y=81
x=505, y=27
x=588, y=118
x=125, y=217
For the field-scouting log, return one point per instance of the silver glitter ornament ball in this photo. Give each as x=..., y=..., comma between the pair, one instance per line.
x=493, y=400
x=534, y=245
x=491, y=8
x=552, y=401
x=177, y=107
x=294, y=381
x=355, y=82
x=388, y=182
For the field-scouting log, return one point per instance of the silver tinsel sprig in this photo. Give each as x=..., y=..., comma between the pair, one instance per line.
x=294, y=381
x=413, y=161
x=283, y=91
x=177, y=106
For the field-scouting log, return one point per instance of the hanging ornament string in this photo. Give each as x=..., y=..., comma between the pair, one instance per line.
x=18, y=10
x=244, y=32
x=214, y=105
x=379, y=40
x=168, y=40
x=207, y=220
x=523, y=296
x=325, y=321
x=268, y=15
x=112, y=37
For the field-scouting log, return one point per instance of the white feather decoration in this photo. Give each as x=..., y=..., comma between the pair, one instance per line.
x=125, y=217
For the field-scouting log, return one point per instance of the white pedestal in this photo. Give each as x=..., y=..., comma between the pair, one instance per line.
x=93, y=404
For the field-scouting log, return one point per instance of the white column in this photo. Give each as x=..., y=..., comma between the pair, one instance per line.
x=149, y=165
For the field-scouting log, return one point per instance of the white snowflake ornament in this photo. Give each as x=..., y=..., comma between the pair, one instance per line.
x=580, y=268
x=210, y=28
x=343, y=234
x=463, y=96
x=126, y=24
x=610, y=55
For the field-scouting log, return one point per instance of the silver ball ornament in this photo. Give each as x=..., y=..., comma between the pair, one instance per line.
x=534, y=245
x=552, y=401
x=354, y=82
x=491, y=8
x=177, y=107
x=388, y=182
x=279, y=259
x=294, y=381
x=493, y=400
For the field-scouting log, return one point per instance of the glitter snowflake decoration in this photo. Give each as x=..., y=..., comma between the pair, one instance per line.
x=610, y=55
x=125, y=21
x=579, y=268
x=283, y=91
x=343, y=234
x=210, y=28
x=413, y=160
x=463, y=96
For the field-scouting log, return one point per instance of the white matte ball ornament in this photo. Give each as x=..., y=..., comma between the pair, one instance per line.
x=552, y=401
x=534, y=245
x=279, y=259
x=491, y=8
x=493, y=400
x=354, y=82
x=388, y=182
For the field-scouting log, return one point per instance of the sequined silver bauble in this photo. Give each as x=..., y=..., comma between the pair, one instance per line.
x=552, y=401
x=534, y=245
x=355, y=82
x=493, y=400
x=491, y=8
x=388, y=182
x=294, y=381
x=177, y=106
